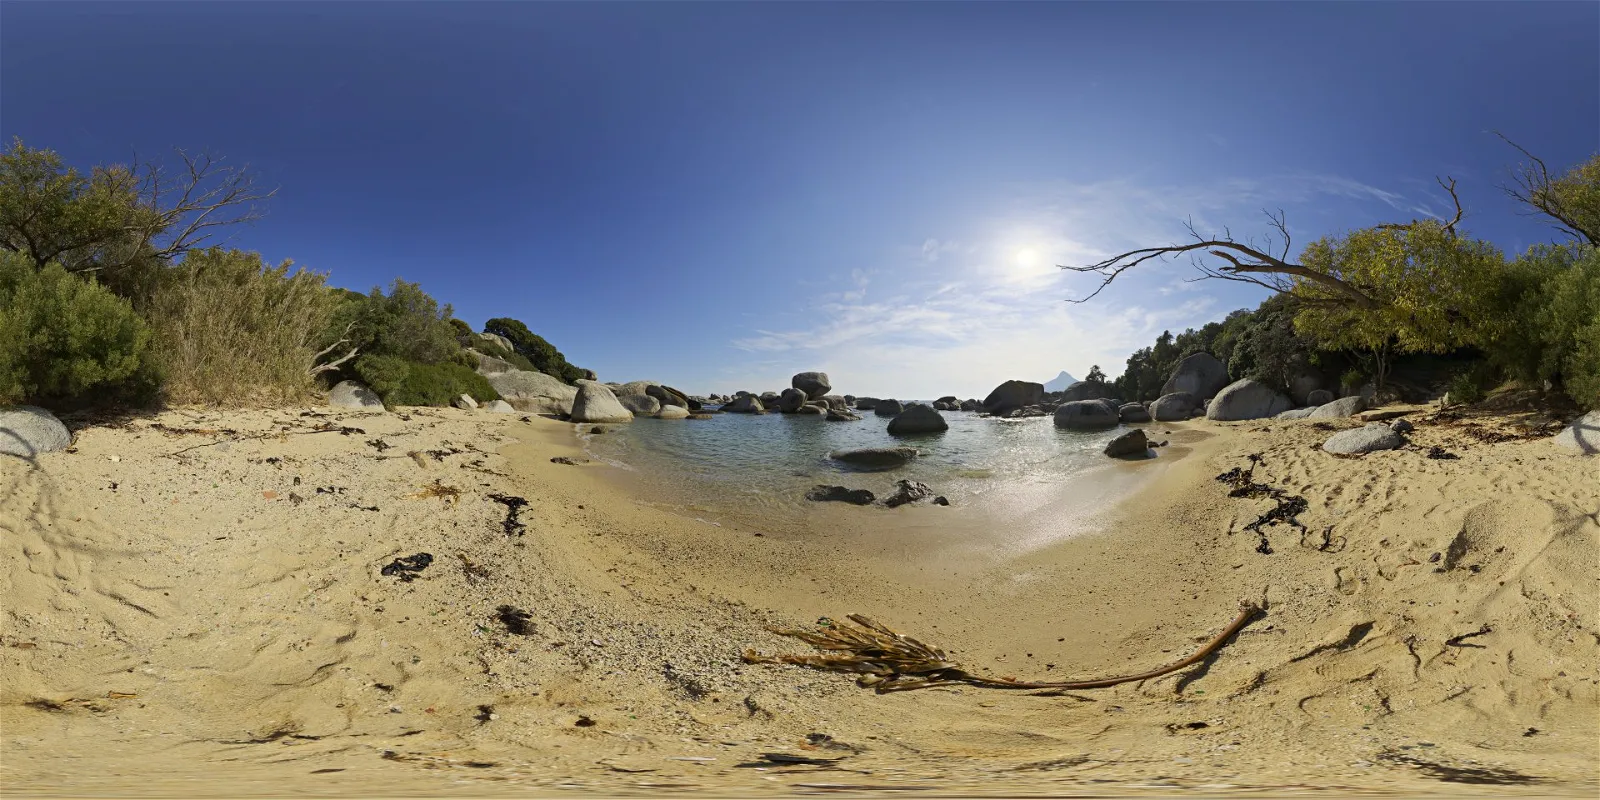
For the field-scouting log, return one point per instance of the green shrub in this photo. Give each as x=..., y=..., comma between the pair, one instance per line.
x=406, y=323
x=543, y=355
x=232, y=330
x=1466, y=387
x=1550, y=301
x=409, y=383
x=1352, y=380
x=62, y=336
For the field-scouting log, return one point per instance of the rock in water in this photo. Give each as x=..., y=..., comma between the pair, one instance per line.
x=1132, y=444
x=836, y=403
x=1173, y=407
x=668, y=396
x=1343, y=407
x=746, y=404
x=1582, y=436
x=1086, y=390
x=791, y=400
x=1246, y=399
x=875, y=457
x=814, y=384
x=971, y=405
x=908, y=492
x=866, y=403
x=815, y=409
x=840, y=494
x=1375, y=436
x=596, y=403
x=1013, y=394
x=1133, y=412
x=1085, y=414
x=466, y=403
x=500, y=407
x=917, y=418
x=672, y=412
x=887, y=408
x=1200, y=374
x=641, y=405
x=353, y=394
x=843, y=416
x=534, y=392
x=28, y=431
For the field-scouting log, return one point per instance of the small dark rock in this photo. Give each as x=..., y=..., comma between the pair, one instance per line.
x=825, y=493
x=908, y=492
x=568, y=460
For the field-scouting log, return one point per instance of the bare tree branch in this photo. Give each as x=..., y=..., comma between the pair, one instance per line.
x=1532, y=189
x=344, y=338
x=1449, y=227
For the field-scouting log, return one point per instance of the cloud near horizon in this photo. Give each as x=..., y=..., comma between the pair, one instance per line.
x=968, y=310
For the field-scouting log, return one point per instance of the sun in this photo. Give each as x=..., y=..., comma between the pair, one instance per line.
x=1027, y=257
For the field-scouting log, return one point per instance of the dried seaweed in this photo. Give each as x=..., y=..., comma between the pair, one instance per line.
x=1288, y=508
x=407, y=567
x=890, y=662
x=437, y=489
x=515, y=619
x=1437, y=452
x=513, y=525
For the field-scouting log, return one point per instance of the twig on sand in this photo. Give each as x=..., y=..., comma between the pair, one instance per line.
x=326, y=427
x=891, y=662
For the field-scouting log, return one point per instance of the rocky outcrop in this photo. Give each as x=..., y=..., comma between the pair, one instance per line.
x=672, y=412
x=1302, y=385
x=1319, y=397
x=489, y=365
x=668, y=396
x=875, y=457
x=888, y=407
x=816, y=409
x=1013, y=394
x=1133, y=412
x=1132, y=444
x=1370, y=438
x=465, y=402
x=1582, y=436
x=971, y=405
x=496, y=338
x=949, y=399
x=28, y=431
x=747, y=404
x=770, y=400
x=836, y=403
x=640, y=404
x=1086, y=415
x=1199, y=374
x=595, y=402
x=499, y=407
x=1246, y=399
x=908, y=491
x=1173, y=407
x=814, y=384
x=917, y=418
x=839, y=494
x=836, y=415
x=353, y=394
x=1295, y=413
x=866, y=403
x=791, y=400
x=534, y=392
x=1086, y=390
x=1343, y=407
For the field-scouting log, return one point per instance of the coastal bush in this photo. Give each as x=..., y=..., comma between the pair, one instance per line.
x=543, y=355
x=408, y=383
x=406, y=323
x=229, y=329
x=63, y=336
x=1551, y=311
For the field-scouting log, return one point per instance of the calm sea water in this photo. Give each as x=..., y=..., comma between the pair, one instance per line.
x=760, y=466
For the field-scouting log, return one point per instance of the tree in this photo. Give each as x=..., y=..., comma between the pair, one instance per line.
x=406, y=322
x=117, y=217
x=1096, y=375
x=1572, y=200
x=533, y=347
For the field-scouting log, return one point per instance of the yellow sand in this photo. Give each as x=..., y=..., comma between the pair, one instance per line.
x=214, y=622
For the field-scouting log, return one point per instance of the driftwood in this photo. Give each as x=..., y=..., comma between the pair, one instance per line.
x=891, y=662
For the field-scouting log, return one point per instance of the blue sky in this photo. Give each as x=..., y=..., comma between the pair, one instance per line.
x=720, y=195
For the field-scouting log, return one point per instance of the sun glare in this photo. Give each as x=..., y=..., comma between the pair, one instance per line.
x=1027, y=257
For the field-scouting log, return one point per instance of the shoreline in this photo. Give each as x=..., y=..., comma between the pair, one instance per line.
x=260, y=633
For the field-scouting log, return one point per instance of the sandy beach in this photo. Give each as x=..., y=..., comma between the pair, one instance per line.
x=196, y=604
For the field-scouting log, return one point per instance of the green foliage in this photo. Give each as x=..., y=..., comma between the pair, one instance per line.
x=409, y=383
x=1268, y=349
x=1468, y=385
x=1572, y=200
x=543, y=355
x=62, y=336
x=490, y=347
x=232, y=330
x=406, y=323
x=1550, y=313
x=1096, y=375
x=463, y=331
x=1351, y=381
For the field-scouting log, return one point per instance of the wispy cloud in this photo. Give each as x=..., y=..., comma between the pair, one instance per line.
x=965, y=311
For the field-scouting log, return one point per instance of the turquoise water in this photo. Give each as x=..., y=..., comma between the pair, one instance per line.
x=760, y=466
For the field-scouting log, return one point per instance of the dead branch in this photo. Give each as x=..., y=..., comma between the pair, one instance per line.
x=1449, y=227
x=318, y=369
x=891, y=662
x=1532, y=189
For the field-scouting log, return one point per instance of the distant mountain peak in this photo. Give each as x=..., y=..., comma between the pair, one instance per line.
x=1060, y=382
